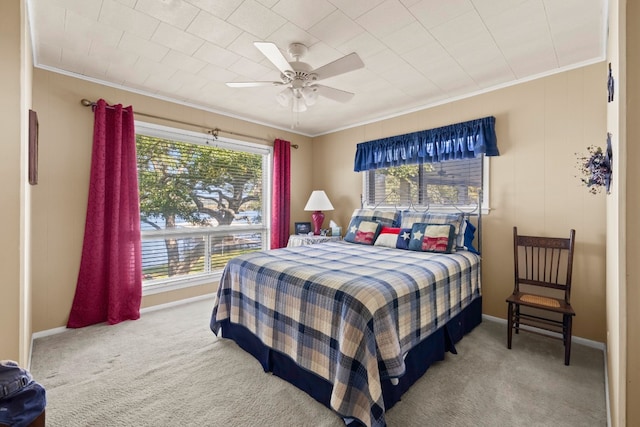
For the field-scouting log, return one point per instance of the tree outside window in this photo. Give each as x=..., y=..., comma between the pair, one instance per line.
x=199, y=206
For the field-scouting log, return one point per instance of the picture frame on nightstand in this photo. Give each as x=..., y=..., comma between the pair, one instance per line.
x=303, y=227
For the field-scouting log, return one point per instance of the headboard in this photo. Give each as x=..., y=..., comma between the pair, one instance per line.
x=473, y=213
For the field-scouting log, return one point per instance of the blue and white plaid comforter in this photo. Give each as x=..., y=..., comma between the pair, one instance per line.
x=338, y=309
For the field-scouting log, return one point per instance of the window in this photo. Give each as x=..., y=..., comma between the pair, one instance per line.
x=202, y=202
x=437, y=185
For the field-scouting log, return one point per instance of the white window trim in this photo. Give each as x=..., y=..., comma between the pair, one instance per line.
x=152, y=288
x=166, y=132
x=486, y=207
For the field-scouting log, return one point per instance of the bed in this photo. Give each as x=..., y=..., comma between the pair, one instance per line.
x=353, y=324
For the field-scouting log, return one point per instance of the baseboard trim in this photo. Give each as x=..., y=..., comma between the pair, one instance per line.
x=177, y=303
x=48, y=332
x=578, y=340
x=606, y=387
x=61, y=329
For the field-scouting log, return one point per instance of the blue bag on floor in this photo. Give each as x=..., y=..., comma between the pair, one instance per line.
x=22, y=399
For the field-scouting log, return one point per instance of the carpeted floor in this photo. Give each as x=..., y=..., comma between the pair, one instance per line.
x=168, y=369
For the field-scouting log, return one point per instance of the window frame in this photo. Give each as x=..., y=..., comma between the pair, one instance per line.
x=485, y=207
x=199, y=138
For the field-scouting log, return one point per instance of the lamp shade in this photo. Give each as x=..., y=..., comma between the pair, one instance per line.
x=318, y=201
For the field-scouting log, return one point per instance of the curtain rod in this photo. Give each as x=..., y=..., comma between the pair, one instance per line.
x=213, y=132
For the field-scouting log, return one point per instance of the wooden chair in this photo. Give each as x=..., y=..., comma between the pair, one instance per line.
x=542, y=267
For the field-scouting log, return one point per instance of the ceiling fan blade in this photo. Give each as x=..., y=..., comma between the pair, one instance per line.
x=345, y=64
x=252, y=84
x=273, y=54
x=333, y=93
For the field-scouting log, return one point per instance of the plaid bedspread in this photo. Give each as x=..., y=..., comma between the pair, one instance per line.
x=338, y=309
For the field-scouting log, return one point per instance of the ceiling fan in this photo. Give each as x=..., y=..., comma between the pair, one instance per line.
x=299, y=79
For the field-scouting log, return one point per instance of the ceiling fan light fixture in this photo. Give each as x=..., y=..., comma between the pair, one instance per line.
x=298, y=105
x=310, y=95
x=284, y=97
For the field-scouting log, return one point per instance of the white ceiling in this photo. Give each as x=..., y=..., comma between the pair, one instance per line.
x=417, y=53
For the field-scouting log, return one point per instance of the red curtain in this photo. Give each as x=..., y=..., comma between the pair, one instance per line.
x=281, y=194
x=109, y=286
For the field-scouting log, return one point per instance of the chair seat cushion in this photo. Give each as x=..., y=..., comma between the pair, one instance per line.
x=540, y=301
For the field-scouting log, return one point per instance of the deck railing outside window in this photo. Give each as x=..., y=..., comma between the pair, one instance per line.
x=200, y=252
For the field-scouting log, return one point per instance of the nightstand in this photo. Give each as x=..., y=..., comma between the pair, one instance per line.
x=303, y=239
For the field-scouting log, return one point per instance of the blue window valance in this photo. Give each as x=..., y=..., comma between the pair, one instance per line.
x=456, y=141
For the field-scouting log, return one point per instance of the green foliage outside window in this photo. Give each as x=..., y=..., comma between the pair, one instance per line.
x=189, y=185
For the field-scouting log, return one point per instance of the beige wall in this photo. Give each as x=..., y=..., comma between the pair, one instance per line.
x=59, y=200
x=616, y=241
x=10, y=189
x=15, y=87
x=623, y=254
x=540, y=125
x=26, y=88
x=632, y=259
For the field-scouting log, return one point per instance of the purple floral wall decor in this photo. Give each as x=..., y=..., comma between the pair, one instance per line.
x=596, y=167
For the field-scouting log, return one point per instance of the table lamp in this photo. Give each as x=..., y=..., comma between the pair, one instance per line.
x=318, y=202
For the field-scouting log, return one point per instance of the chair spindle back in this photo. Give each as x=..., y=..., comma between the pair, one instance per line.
x=544, y=261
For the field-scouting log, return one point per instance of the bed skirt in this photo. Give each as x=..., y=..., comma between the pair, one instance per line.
x=417, y=361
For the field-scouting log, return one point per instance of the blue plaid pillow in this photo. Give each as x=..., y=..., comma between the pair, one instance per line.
x=388, y=218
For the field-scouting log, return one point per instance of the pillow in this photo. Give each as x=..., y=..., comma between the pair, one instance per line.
x=362, y=231
x=432, y=238
x=460, y=235
x=388, y=218
x=469, y=235
x=456, y=219
x=404, y=237
x=388, y=237
x=409, y=218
